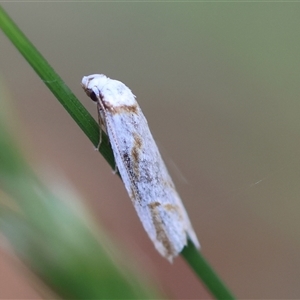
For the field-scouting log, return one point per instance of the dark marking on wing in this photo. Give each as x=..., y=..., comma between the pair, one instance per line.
x=114, y=110
x=135, y=192
x=135, y=153
x=168, y=183
x=175, y=209
x=161, y=234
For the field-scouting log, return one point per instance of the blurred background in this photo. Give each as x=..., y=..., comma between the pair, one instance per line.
x=219, y=85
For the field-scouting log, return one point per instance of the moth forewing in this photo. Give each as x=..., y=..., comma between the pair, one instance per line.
x=141, y=167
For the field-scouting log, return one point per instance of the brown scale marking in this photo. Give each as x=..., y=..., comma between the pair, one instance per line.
x=135, y=153
x=168, y=183
x=132, y=194
x=153, y=205
x=171, y=207
x=160, y=232
x=175, y=208
x=115, y=110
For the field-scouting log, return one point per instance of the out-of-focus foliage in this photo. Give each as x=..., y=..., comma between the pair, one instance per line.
x=55, y=237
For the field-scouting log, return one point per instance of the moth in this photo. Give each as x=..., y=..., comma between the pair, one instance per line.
x=140, y=165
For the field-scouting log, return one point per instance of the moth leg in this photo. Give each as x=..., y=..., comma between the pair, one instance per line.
x=101, y=123
x=115, y=171
x=102, y=127
x=100, y=139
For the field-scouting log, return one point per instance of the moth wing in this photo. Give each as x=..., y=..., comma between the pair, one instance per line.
x=147, y=181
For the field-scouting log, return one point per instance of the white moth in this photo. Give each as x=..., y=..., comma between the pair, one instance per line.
x=141, y=167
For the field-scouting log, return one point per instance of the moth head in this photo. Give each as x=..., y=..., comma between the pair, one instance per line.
x=113, y=92
x=93, y=84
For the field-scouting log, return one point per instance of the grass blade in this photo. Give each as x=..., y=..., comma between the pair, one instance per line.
x=204, y=271
x=56, y=85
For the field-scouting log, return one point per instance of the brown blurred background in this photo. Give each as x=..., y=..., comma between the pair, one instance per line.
x=219, y=85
